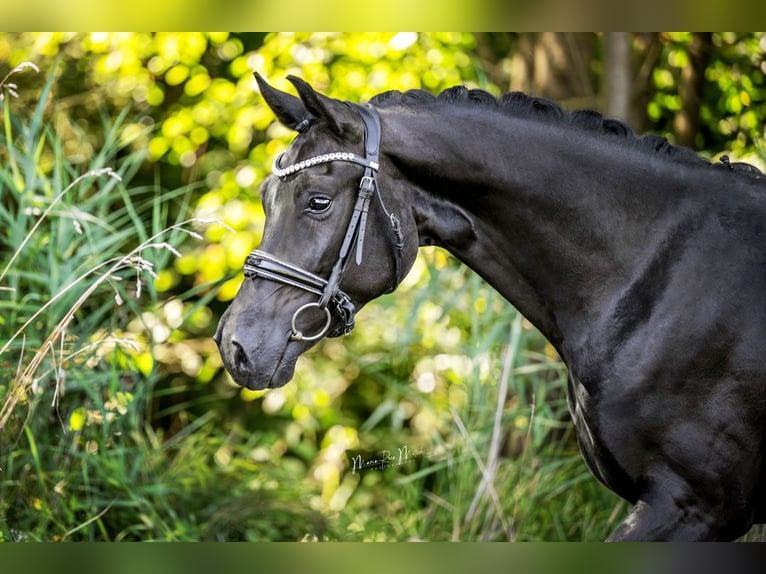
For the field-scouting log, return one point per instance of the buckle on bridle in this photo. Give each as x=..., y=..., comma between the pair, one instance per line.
x=367, y=184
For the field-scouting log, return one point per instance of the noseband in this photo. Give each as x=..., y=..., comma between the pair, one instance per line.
x=332, y=300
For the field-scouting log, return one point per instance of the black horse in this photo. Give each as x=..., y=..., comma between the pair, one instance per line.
x=642, y=263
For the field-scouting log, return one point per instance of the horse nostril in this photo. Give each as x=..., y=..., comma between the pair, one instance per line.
x=240, y=357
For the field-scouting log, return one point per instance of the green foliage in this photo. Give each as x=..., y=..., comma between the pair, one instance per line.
x=80, y=459
x=733, y=97
x=118, y=421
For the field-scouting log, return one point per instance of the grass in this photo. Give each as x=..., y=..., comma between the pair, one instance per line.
x=500, y=461
x=84, y=451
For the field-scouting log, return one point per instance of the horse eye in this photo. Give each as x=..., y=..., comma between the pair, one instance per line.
x=319, y=204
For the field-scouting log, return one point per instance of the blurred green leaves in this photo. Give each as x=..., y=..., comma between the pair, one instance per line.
x=732, y=95
x=197, y=108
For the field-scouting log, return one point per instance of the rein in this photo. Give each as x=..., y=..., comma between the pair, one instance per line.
x=332, y=300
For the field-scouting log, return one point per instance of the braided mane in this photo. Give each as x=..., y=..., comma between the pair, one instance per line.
x=519, y=104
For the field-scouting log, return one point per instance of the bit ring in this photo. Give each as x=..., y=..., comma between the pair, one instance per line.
x=297, y=335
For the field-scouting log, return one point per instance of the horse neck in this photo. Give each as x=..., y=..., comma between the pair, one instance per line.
x=554, y=225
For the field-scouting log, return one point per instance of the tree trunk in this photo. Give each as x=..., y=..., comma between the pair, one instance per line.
x=686, y=122
x=556, y=65
x=618, y=77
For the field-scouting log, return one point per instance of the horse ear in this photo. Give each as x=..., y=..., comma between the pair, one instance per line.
x=330, y=111
x=290, y=111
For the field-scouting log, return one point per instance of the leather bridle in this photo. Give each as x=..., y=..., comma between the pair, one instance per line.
x=332, y=300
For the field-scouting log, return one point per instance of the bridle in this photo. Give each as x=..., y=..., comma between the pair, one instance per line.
x=332, y=300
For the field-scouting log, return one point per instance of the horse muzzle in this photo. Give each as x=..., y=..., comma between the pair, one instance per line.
x=260, y=345
x=269, y=365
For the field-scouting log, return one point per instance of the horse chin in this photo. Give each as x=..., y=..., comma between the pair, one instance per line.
x=267, y=376
x=279, y=378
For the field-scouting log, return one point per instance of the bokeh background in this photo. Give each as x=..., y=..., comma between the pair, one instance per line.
x=130, y=165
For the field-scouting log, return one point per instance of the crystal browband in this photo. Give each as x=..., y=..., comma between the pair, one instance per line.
x=281, y=172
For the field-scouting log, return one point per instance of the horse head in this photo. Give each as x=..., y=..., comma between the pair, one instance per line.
x=318, y=263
